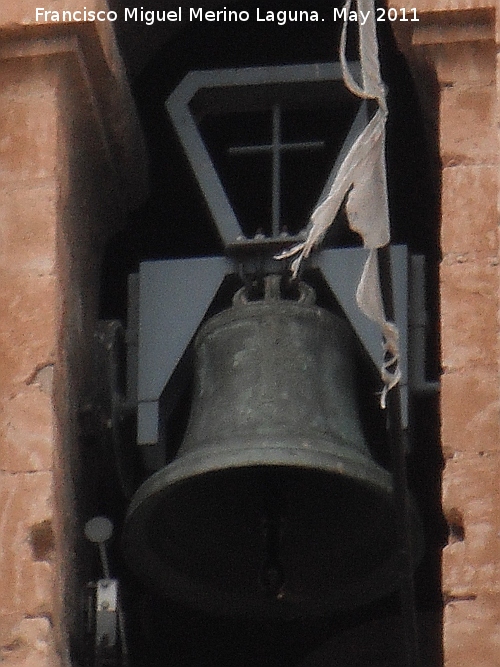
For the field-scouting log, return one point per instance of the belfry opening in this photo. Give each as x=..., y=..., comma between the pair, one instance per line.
x=218, y=550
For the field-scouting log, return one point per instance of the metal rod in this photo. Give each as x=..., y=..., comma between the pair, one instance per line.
x=398, y=440
x=124, y=643
x=276, y=147
x=104, y=559
x=265, y=148
x=276, y=171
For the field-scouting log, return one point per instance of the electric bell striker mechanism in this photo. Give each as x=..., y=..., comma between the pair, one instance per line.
x=273, y=505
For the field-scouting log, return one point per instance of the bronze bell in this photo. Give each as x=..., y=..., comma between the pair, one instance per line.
x=273, y=505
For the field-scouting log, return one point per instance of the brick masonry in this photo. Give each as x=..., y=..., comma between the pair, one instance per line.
x=67, y=165
x=68, y=134
x=459, y=41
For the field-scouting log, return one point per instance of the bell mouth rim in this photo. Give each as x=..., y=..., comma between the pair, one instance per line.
x=286, y=455
x=177, y=586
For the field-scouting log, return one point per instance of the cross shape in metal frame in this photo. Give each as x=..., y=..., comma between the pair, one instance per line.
x=206, y=92
x=276, y=148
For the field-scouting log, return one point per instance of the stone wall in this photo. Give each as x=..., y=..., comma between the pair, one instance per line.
x=458, y=40
x=70, y=161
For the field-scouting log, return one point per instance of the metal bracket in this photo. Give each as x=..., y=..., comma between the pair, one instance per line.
x=106, y=615
x=214, y=91
x=417, y=327
x=342, y=269
x=187, y=286
x=109, y=404
x=173, y=296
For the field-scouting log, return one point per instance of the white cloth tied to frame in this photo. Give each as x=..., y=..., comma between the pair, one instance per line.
x=361, y=181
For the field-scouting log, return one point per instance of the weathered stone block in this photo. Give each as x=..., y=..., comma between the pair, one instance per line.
x=26, y=572
x=468, y=133
x=28, y=231
x=471, y=498
x=470, y=410
x=464, y=63
x=472, y=632
x=28, y=328
x=469, y=210
x=469, y=312
x=27, y=427
x=28, y=120
x=23, y=12
x=443, y=5
x=28, y=643
x=71, y=155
